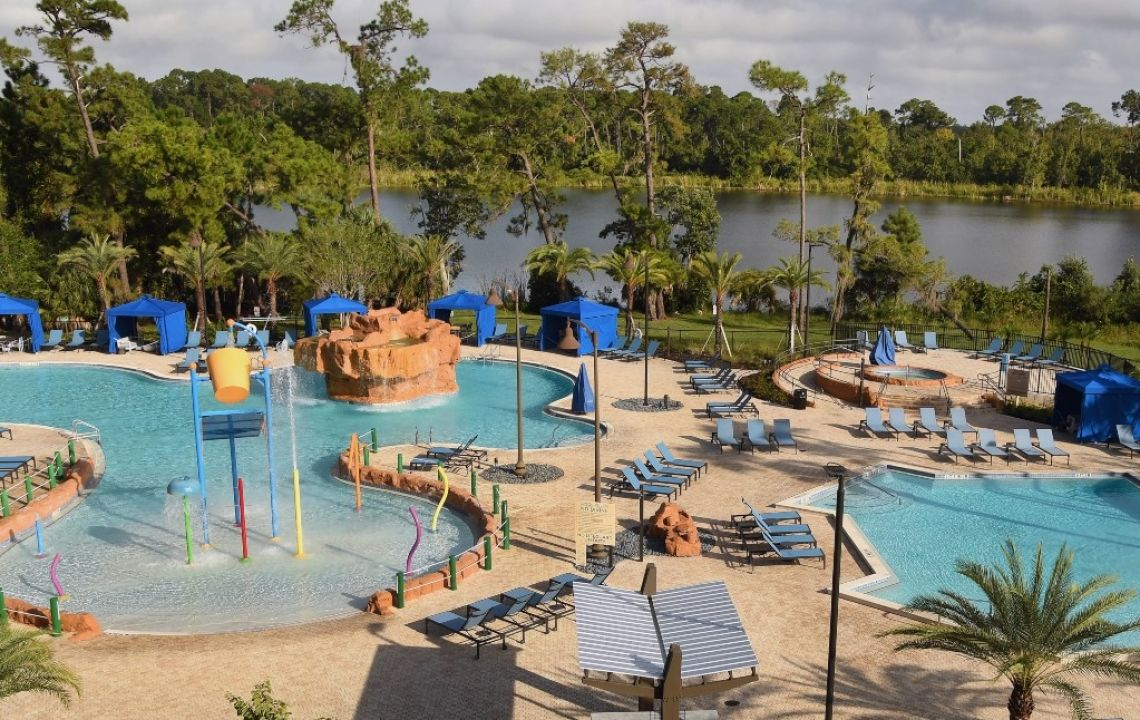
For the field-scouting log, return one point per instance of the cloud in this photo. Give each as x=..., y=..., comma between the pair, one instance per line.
x=963, y=55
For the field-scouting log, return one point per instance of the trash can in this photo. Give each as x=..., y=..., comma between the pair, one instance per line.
x=799, y=398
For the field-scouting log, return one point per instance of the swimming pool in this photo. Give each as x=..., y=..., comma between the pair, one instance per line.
x=123, y=557
x=922, y=524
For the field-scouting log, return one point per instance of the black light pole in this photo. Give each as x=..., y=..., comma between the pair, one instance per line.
x=645, y=325
x=836, y=472
x=807, y=297
x=520, y=466
x=570, y=343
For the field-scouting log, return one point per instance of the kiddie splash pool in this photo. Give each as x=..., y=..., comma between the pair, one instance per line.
x=123, y=554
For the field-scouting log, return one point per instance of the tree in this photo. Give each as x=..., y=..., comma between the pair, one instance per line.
x=203, y=264
x=27, y=665
x=694, y=211
x=356, y=257
x=1037, y=628
x=271, y=257
x=560, y=261
x=97, y=258
x=20, y=261
x=719, y=273
x=627, y=266
x=381, y=84
x=792, y=275
x=432, y=257
x=992, y=114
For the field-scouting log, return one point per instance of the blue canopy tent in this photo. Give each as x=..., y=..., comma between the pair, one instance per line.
x=332, y=305
x=602, y=319
x=582, y=400
x=1091, y=403
x=168, y=316
x=884, y=351
x=31, y=310
x=463, y=300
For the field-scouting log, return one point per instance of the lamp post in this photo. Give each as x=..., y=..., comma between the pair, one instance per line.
x=645, y=326
x=836, y=472
x=494, y=300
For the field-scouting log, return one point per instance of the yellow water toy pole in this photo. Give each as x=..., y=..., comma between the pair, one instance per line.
x=442, y=498
x=297, y=513
x=354, y=467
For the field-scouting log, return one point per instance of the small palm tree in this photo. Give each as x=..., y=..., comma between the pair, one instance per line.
x=792, y=274
x=27, y=665
x=559, y=260
x=271, y=257
x=202, y=263
x=627, y=266
x=719, y=273
x=98, y=258
x=432, y=257
x=1037, y=629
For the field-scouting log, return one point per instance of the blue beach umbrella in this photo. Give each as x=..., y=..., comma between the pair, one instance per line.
x=583, y=399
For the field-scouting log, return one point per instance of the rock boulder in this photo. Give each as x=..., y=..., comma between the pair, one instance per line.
x=676, y=527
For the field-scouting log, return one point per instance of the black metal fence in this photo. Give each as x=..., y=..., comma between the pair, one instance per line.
x=952, y=336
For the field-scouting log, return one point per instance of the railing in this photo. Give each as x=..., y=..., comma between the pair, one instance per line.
x=91, y=431
x=816, y=349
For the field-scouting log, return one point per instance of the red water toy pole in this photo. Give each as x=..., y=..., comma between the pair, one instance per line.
x=244, y=525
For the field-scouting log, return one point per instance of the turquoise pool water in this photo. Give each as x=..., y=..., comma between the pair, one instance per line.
x=123, y=556
x=922, y=525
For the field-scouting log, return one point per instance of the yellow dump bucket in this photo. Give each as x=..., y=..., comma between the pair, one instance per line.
x=229, y=373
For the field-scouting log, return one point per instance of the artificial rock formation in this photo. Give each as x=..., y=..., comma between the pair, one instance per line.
x=383, y=357
x=677, y=528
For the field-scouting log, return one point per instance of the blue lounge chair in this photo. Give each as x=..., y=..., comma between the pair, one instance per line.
x=727, y=382
x=54, y=338
x=873, y=422
x=263, y=337
x=863, y=339
x=193, y=339
x=896, y=420
x=670, y=470
x=958, y=422
x=717, y=377
x=1024, y=446
x=520, y=335
x=956, y=445
x=742, y=405
x=548, y=602
x=77, y=341
x=757, y=435
x=1049, y=447
x=446, y=453
x=629, y=346
x=781, y=435
x=512, y=612
x=759, y=522
x=699, y=364
x=631, y=481
x=927, y=423
x=193, y=360
x=568, y=579
x=242, y=340
x=470, y=627
x=6, y=431
x=987, y=443
x=771, y=517
x=13, y=464
x=993, y=350
x=650, y=352
x=668, y=456
x=929, y=341
x=100, y=341
x=222, y=338
x=1057, y=357
x=783, y=552
x=498, y=333
x=651, y=477
x=901, y=341
x=725, y=434
x=1015, y=349
x=1033, y=355
x=1124, y=438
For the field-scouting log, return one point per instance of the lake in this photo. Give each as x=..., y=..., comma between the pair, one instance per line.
x=991, y=241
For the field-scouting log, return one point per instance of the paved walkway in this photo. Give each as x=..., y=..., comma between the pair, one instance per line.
x=371, y=667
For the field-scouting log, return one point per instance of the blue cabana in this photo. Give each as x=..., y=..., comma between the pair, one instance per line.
x=1091, y=403
x=332, y=305
x=31, y=310
x=601, y=318
x=168, y=316
x=884, y=351
x=463, y=300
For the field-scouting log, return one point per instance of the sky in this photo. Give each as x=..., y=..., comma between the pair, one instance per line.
x=962, y=54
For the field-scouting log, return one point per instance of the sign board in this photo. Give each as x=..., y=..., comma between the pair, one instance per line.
x=595, y=523
x=1017, y=382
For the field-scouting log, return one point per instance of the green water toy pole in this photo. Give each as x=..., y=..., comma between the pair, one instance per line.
x=184, y=487
x=3, y=610
x=400, y=463
x=474, y=484
x=375, y=440
x=56, y=623
x=5, y=505
x=71, y=452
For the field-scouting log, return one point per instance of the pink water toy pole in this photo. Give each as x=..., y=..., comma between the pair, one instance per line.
x=416, y=544
x=55, y=577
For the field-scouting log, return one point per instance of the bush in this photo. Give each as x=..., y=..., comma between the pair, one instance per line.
x=1033, y=413
x=762, y=387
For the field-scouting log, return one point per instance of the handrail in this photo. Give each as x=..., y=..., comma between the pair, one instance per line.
x=93, y=433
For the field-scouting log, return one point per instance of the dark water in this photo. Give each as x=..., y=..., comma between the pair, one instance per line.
x=991, y=241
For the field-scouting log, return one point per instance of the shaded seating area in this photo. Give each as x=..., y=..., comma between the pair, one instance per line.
x=168, y=316
x=485, y=329
x=602, y=319
x=30, y=310
x=332, y=304
x=1091, y=403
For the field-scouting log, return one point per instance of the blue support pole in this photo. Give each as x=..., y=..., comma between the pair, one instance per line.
x=199, y=455
x=269, y=446
x=234, y=478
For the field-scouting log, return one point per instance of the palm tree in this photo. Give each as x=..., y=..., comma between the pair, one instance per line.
x=27, y=665
x=1037, y=628
x=792, y=274
x=202, y=263
x=627, y=266
x=719, y=273
x=432, y=257
x=559, y=260
x=271, y=257
x=98, y=258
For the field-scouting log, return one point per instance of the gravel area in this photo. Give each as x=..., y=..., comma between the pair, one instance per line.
x=535, y=473
x=626, y=548
x=655, y=404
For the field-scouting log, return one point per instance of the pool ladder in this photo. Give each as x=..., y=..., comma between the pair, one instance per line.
x=89, y=431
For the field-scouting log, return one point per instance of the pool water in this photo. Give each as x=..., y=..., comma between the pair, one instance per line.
x=916, y=373
x=123, y=553
x=922, y=525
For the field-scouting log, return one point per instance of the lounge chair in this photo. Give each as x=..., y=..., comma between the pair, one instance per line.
x=771, y=517
x=100, y=341
x=633, y=346
x=958, y=421
x=54, y=338
x=243, y=339
x=631, y=481
x=77, y=341
x=547, y=602
x=896, y=420
x=1024, y=446
x=1032, y=356
x=125, y=344
x=742, y=405
x=15, y=463
x=263, y=338
x=13, y=344
x=1124, y=438
x=650, y=352
x=651, y=477
x=444, y=452
x=222, y=338
x=193, y=360
x=1057, y=357
x=424, y=462
x=901, y=340
x=6, y=431
x=1049, y=447
x=193, y=339
x=519, y=334
x=286, y=342
x=699, y=364
x=470, y=627
x=568, y=579
x=956, y=445
x=725, y=434
x=1016, y=349
x=716, y=378
x=929, y=341
x=757, y=521
x=987, y=443
x=668, y=456
x=781, y=551
x=863, y=340
x=757, y=435
x=669, y=470
x=781, y=435
x=498, y=333
x=727, y=381
x=993, y=350
x=927, y=423
x=873, y=422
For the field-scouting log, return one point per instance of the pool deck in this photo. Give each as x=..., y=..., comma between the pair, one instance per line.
x=366, y=666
